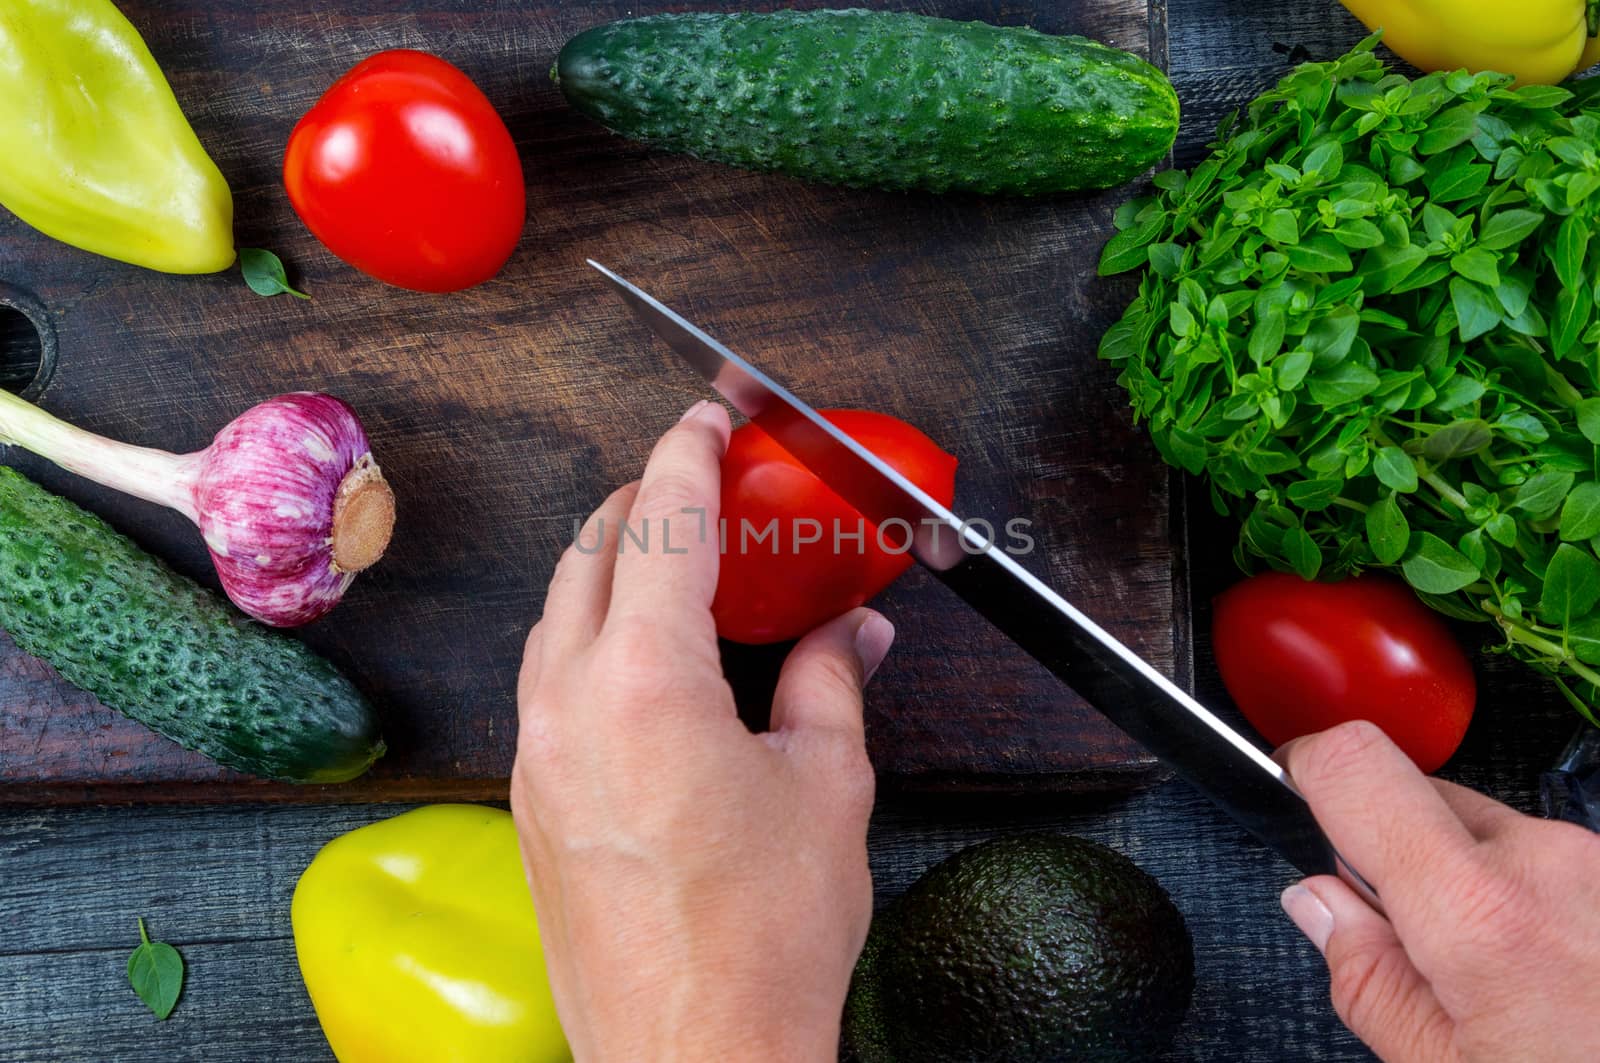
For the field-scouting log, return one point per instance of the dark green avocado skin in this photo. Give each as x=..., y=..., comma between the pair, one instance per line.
x=877, y=99
x=120, y=624
x=1031, y=949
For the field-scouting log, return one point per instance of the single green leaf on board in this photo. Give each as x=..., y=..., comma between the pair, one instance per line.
x=1571, y=585
x=1477, y=310
x=1436, y=567
x=1541, y=493
x=1589, y=419
x=263, y=272
x=155, y=970
x=1509, y=228
x=1302, y=552
x=1396, y=470
x=1388, y=532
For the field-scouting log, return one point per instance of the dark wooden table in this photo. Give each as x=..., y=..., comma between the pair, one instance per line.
x=217, y=880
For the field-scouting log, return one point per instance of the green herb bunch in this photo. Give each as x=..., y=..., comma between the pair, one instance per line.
x=1368, y=318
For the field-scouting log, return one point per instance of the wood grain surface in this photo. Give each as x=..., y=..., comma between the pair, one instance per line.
x=504, y=413
x=217, y=880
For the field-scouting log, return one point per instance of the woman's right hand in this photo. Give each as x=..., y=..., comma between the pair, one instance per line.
x=1491, y=946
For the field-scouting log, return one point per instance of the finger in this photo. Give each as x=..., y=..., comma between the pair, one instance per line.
x=1483, y=815
x=580, y=589
x=820, y=684
x=528, y=675
x=1380, y=812
x=1376, y=989
x=666, y=570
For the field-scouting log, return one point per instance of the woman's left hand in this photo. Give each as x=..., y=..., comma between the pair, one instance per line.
x=702, y=891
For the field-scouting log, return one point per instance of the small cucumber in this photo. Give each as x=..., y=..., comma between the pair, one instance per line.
x=169, y=653
x=877, y=99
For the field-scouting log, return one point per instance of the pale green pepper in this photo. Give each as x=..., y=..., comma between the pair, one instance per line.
x=94, y=149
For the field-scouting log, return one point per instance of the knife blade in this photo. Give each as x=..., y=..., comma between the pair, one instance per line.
x=1221, y=763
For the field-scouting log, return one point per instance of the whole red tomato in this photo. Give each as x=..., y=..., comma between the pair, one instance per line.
x=1300, y=657
x=778, y=586
x=404, y=170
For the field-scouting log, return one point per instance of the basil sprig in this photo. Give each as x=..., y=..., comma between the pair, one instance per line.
x=1369, y=319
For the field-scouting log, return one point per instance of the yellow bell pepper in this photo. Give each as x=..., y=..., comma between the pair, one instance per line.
x=94, y=149
x=418, y=943
x=1539, y=42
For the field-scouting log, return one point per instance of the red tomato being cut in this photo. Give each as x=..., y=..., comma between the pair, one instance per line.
x=777, y=586
x=404, y=170
x=1300, y=657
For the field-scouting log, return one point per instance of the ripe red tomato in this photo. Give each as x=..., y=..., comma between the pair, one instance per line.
x=1300, y=657
x=777, y=586
x=404, y=170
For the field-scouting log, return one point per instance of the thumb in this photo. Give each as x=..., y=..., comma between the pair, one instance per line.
x=820, y=685
x=1377, y=991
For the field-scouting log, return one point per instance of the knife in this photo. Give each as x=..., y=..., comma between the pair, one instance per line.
x=1218, y=761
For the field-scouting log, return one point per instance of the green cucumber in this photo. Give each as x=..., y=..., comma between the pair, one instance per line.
x=877, y=99
x=149, y=643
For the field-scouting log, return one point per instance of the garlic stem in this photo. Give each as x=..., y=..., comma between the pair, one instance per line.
x=153, y=475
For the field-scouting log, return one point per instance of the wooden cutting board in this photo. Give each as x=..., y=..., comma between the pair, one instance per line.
x=503, y=413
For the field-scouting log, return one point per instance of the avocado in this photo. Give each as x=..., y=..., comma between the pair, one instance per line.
x=1029, y=949
x=877, y=99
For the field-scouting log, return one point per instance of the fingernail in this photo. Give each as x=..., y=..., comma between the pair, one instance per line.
x=873, y=639
x=1306, y=910
x=692, y=410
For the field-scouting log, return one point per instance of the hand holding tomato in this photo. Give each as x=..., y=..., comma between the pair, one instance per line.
x=404, y=170
x=702, y=891
x=1300, y=657
x=797, y=554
